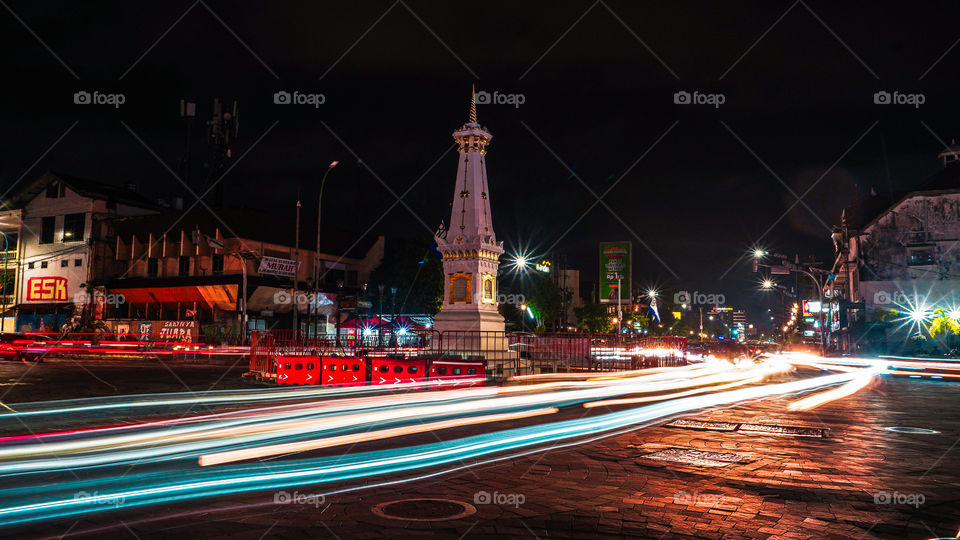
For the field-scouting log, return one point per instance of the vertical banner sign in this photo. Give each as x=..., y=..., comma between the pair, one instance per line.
x=614, y=261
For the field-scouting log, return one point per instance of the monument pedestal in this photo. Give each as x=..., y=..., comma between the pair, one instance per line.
x=468, y=321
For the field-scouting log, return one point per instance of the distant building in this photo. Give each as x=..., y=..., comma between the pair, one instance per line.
x=896, y=252
x=568, y=281
x=173, y=270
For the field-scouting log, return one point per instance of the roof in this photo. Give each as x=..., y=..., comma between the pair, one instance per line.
x=248, y=224
x=866, y=211
x=85, y=187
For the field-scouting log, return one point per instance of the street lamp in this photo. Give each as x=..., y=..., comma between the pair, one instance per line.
x=759, y=253
x=767, y=284
x=316, y=264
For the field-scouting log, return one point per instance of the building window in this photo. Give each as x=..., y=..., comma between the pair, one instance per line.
x=43, y=264
x=217, y=265
x=184, y=269
x=73, y=225
x=56, y=190
x=153, y=267
x=30, y=266
x=47, y=225
x=78, y=262
x=64, y=263
x=922, y=256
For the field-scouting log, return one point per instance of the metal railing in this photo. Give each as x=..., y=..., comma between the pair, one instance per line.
x=505, y=354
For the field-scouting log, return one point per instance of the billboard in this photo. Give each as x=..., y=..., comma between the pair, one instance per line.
x=614, y=262
x=811, y=307
x=277, y=266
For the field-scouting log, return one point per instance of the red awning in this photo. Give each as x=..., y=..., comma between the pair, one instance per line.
x=222, y=297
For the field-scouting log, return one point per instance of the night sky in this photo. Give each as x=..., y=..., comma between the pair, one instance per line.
x=598, y=83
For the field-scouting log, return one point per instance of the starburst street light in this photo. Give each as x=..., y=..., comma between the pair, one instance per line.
x=519, y=262
x=759, y=253
x=767, y=284
x=652, y=293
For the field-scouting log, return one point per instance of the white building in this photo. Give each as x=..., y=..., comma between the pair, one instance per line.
x=64, y=243
x=897, y=252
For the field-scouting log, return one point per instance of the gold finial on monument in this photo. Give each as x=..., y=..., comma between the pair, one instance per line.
x=473, y=105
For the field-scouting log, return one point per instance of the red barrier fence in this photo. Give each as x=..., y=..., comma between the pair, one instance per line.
x=500, y=353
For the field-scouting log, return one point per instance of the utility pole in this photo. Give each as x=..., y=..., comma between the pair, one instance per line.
x=619, y=309
x=701, y=324
x=296, y=267
x=380, y=318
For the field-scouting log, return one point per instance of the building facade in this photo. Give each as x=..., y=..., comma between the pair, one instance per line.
x=64, y=234
x=190, y=266
x=158, y=272
x=897, y=258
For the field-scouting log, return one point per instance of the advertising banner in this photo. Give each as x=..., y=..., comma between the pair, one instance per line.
x=614, y=263
x=278, y=267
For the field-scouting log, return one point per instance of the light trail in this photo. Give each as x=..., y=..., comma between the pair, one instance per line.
x=329, y=442
x=843, y=391
x=304, y=420
x=170, y=460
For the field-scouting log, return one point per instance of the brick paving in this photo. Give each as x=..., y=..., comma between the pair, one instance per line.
x=786, y=487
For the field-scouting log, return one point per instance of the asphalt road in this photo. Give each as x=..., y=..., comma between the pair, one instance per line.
x=857, y=481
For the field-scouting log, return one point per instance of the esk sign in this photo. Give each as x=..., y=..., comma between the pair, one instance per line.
x=47, y=289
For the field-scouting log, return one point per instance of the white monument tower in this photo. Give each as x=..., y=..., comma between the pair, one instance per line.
x=471, y=253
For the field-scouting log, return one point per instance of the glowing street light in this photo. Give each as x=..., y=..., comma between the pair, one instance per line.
x=767, y=284
x=759, y=253
x=918, y=315
x=652, y=293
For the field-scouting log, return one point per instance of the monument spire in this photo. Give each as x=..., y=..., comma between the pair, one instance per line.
x=473, y=105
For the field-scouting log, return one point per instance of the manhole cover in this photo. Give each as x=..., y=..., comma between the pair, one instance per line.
x=790, y=431
x=702, y=458
x=914, y=430
x=424, y=509
x=699, y=424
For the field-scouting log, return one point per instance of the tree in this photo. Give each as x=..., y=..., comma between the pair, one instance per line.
x=544, y=298
x=593, y=318
x=410, y=265
x=942, y=325
x=84, y=321
x=635, y=320
x=680, y=328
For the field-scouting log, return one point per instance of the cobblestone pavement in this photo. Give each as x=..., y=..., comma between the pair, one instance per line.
x=859, y=481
